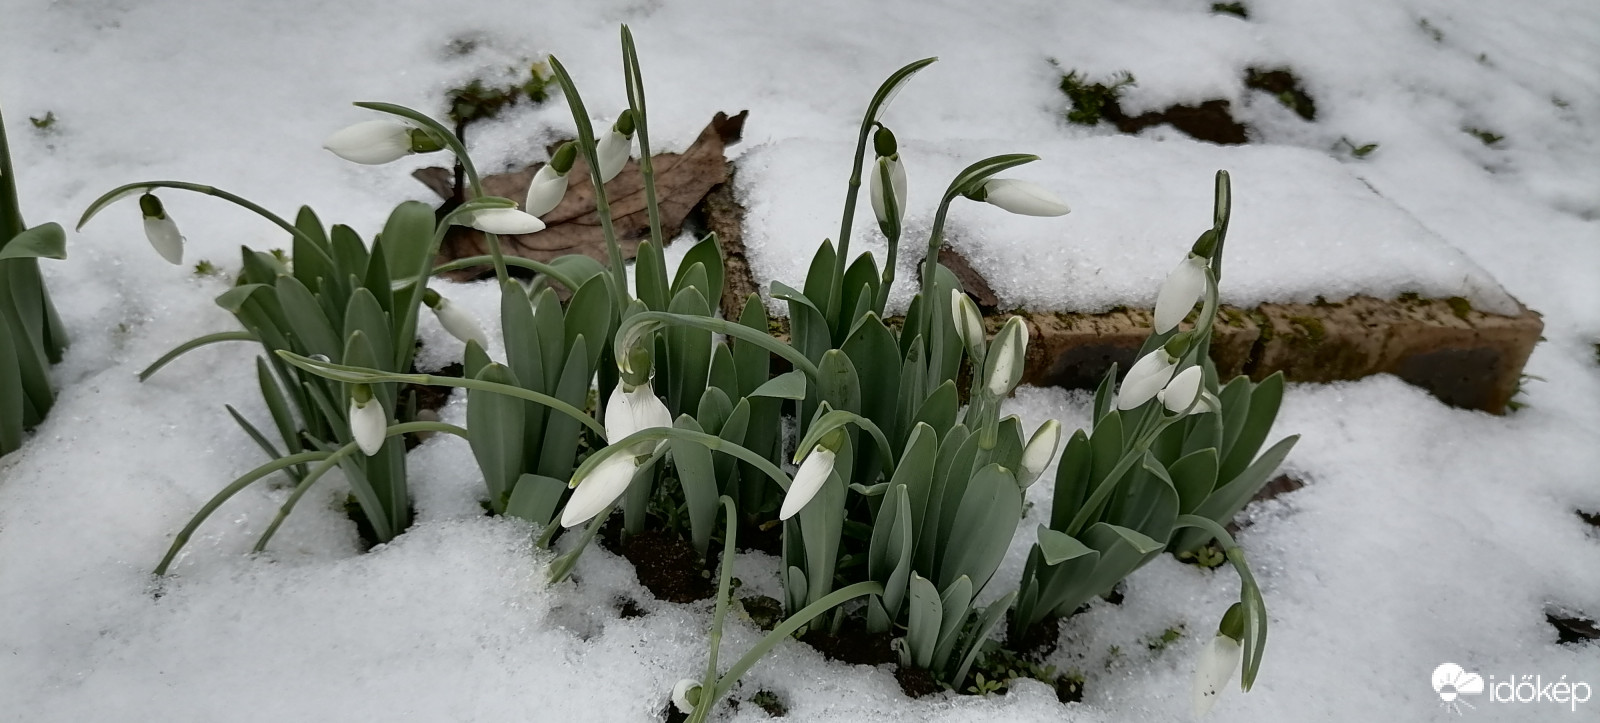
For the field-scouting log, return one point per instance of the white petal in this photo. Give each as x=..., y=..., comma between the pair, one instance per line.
x=1023, y=198
x=1213, y=672
x=368, y=425
x=1040, y=450
x=1179, y=292
x=164, y=236
x=969, y=322
x=619, y=420
x=505, y=222
x=460, y=324
x=680, y=695
x=613, y=150
x=897, y=178
x=372, y=143
x=807, y=480
x=545, y=191
x=1006, y=369
x=603, y=485
x=1145, y=378
x=647, y=409
x=1181, y=391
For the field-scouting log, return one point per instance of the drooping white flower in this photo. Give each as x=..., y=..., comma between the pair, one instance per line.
x=371, y=143
x=1214, y=670
x=681, y=694
x=1182, y=390
x=968, y=320
x=160, y=229
x=897, y=180
x=459, y=323
x=599, y=488
x=813, y=472
x=1040, y=450
x=549, y=184
x=504, y=221
x=1179, y=292
x=368, y=423
x=632, y=410
x=614, y=148
x=1022, y=197
x=1146, y=377
x=1008, y=355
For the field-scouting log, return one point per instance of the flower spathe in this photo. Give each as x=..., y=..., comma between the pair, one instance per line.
x=160, y=230
x=1010, y=346
x=1179, y=292
x=897, y=180
x=1212, y=673
x=1041, y=449
x=681, y=694
x=813, y=472
x=371, y=143
x=595, y=491
x=1145, y=379
x=1023, y=198
x=368, y=424
x=505, y=222
x=459, y=323
x=968, y=320
x=1180, y=393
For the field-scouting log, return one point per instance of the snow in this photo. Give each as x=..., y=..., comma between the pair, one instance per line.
x=1425, y=534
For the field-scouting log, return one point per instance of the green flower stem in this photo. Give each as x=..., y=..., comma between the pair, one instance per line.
x=659, y=434
x=193, y=344
x=880, y=100
x=836, y=418
x=364, y=375
x=720, y=614
x=1255, y=607
x=719, y=326
x=602, y=207
x=333, y=460
x=1222, y=210
x=129, y=189
x=408, y=320
x=1141, y=444
x=965, y=182
x=232, y=489
x=554, y=273
x=786, y=629
x=647, y=170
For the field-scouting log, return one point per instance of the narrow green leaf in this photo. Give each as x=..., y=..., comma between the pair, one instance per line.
x=536, y=498
x=45, y=241
x=495, y=422
x=697, y=474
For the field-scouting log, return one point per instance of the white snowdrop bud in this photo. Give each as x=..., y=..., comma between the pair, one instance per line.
x=504, y=221
x=1214, y=670
x=377, y=142
x=549, y=184
x=888, y=162
x=814, y=471
x=1022, y=197
x=1006, y=357
x=459, y=323
x=1145, y=378
x=1040, y=450
x=615, y=147
x=160, y=230
x=1182, y=390
x=1179, y=292
x=686, y=694
x=968, y=320
x=595, y=491
x=633, y=410
x=368, y=423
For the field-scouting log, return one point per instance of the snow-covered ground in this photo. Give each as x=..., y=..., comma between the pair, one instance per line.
x=1426, y=534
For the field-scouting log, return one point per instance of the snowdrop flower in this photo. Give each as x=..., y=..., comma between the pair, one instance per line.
x=368, y=424
x=1145, y=379
x=813, y=472
x=1212, y=673
x=888, y=160
x=632, y=410
x=377, y=142
x=1180, y=393
x=1179, y=292
x=1040, y=450
x=681, y=694
x=597, y=490
x=160, y=229
x=614, y=148
x=549, y=184
x=459, y=323
x=504, y=222
x=1021, y=197
x=1008, y=351
x=969, y=321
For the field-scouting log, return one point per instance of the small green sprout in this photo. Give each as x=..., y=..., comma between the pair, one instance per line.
x=46, y=122
x=1091, y=99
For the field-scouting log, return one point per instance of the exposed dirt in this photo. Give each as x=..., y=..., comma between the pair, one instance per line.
x=1211, y=121
x=1039, y=641
x=916, y=682
x=667, y=565
x=852, y=645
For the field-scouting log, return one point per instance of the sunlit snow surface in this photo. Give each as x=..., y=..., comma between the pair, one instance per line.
x=1425, y=534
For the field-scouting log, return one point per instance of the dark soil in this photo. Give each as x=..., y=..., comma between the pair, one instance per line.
x=666, y=564
x=753, y=536
x=1281, y=485
x=1283, y=85
x=916, y=682
x=852, y=645
x=1592, y=518
x=671, y=714
x=629, y=608
x=426, y=398
x=1211, y=121
x=1571, y=628
x=368, y=537
x=1039, y=641
x=770, y=702
x=1069, y=689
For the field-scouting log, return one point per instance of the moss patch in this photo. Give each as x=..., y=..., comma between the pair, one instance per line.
x=1459, y=306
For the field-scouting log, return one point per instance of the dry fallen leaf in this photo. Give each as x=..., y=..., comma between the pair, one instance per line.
x=573, y=226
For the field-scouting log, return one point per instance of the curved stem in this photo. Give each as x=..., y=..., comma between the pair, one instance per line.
x=720, y=326
x=657, y=434
x=554, y=273
x=635, y=83
x=364, y=375
x=437, y=129
x=407, y=334
x=333, y=460
x=129, y=189
x=837, y=418
x=232, y=489
x=1107, y=485
x=193, y=344
x=724, y=590
x=602, y=207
